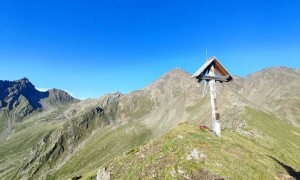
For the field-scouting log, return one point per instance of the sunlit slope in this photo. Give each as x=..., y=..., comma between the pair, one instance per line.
x=273, y=151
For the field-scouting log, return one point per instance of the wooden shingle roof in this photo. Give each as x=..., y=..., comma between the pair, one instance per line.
x=220, y=71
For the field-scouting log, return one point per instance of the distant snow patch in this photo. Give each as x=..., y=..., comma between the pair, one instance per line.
x=42, y=89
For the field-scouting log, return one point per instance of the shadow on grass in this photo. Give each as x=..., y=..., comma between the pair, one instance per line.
x=289, y=169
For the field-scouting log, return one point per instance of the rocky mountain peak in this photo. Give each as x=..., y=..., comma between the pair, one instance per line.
x=60, y=95
x=17, y=85
x=172, y=79
x=23, y=80
x=273, y=88
x=275, y=72
x=177, y=72
x=16, y=88
x=21, y=97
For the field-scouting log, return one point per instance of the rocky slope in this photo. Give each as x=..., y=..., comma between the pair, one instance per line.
x=19, y=100
x=22, y=98
x=276, y=90
x=72, y=137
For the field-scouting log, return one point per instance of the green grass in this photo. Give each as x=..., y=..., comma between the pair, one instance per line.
x=3, y=121
x=194, y=110
x=120, y=148
x=139, y=107
x=17, y=147
x=278, y=135
x=235, y=155
x=101, y=148
x=99, y=143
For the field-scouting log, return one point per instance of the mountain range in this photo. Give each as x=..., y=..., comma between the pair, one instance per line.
x=51, y=135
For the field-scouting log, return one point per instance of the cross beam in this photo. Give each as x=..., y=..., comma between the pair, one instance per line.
x=220, y=79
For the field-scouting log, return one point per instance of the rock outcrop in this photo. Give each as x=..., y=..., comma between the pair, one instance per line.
x=22, y=98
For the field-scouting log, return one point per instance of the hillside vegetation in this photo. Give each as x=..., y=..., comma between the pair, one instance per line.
x=267, y=154
x=51, y=135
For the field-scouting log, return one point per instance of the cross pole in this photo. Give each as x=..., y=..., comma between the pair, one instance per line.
x=216, y=126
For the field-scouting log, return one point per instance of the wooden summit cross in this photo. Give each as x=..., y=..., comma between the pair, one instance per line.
x=212, y=71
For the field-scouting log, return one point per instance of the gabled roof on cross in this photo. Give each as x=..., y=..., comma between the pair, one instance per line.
x=221, y=73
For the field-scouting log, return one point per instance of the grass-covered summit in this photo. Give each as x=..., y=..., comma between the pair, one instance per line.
x=188, y=152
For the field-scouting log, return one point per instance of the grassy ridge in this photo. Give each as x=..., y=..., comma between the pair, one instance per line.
x=101, y=147
x=265, y=155
x=15, y=150
x=279, y=137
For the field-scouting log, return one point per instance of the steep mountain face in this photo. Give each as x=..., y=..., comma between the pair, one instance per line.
x=69, y=134
x=161, y=105
x=22, y=98
x=57, y=95
x=19, y=100
x=59, y=145
x=276, y=90
x=179, y=99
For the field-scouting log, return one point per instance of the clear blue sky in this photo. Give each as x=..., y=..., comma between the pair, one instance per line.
x=95, y=47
